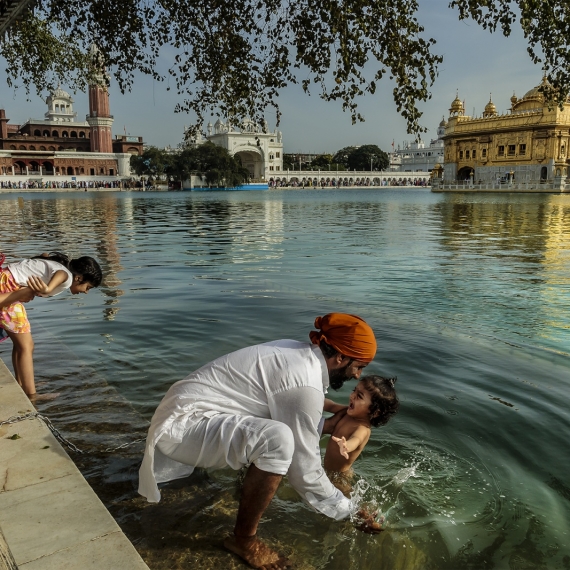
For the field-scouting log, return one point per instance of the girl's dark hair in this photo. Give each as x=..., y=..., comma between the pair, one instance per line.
x=85, y=267
x=385, y=402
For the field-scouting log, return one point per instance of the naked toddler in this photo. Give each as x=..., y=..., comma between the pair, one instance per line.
x=372, y=403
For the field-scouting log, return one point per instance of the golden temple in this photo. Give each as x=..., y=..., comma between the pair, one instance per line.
x=525, y=148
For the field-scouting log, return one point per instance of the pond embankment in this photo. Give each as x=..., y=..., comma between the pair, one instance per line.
x=50, y=517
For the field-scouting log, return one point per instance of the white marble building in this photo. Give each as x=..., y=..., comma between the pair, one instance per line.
x=260, y=150
x=416, y=156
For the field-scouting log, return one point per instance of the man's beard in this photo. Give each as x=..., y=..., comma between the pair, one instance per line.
x=338, y=377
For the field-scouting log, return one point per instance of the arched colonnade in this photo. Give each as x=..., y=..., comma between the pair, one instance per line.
x=349, y=179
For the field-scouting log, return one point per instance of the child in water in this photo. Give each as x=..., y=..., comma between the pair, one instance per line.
x=372, y=403
x=44, y=276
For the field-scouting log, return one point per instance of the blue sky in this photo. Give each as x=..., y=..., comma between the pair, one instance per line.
x=476, y=63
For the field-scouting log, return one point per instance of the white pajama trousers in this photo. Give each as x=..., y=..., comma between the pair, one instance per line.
x=226, y=440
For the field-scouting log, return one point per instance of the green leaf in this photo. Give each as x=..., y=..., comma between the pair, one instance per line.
x=236, y=57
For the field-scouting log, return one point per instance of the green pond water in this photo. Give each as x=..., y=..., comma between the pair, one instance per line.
x=469, y=296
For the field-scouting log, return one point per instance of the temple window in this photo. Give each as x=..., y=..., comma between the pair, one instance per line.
x=466, y=154
x=522, y=149
x=474, y=153
x=484, y=152
x=512, y=149
x=37, y=133
x=277, y=154
x=501, y=151
x=460, y=154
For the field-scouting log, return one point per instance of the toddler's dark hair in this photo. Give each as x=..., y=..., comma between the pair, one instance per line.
x=384, y=399
x=85, y=266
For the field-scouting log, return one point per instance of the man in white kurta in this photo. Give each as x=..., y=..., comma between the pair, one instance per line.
x=259, y=406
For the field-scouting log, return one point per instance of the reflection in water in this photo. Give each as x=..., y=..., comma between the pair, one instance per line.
x=469, y=298
x=108, y=251
x=511, y=258
x=77, y=227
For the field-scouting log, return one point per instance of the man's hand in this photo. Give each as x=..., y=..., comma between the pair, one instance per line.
x=366, y=522
x=342, y=445
x=330, y=423
x=38, y=285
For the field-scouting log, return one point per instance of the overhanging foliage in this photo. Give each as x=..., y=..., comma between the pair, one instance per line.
x=234, y=57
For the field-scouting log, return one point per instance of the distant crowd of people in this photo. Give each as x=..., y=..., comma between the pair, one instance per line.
x=347, y=182
x=26, y=184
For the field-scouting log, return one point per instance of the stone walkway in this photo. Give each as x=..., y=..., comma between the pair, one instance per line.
x=50, y=517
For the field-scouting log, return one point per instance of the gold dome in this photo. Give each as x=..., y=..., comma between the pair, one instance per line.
x=535, y=93
x=532, y=99
x=456, y=106
x=490, y=109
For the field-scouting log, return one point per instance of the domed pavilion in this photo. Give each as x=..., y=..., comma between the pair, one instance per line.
x=527, y=143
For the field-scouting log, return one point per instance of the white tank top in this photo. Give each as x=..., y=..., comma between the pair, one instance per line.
x=45, y=269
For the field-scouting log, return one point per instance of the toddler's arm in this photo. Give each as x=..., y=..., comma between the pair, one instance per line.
x=41, y=288
x=22, y=295
x=333, y=407
x=347, y=446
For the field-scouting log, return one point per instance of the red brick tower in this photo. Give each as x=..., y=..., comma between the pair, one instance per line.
x=3, y=125
x=100, y=119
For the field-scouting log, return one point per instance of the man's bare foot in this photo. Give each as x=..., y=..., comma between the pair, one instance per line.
x=256, y=553
x=43, y=397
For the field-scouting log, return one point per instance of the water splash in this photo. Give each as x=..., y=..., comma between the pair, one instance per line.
x=404, y=474
x=374, y=498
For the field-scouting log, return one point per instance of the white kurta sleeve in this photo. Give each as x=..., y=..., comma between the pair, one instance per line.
x=301, y=409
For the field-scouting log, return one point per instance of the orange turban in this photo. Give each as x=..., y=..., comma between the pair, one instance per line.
x=349, y=334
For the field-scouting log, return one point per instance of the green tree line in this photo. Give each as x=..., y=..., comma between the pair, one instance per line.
x=365, y=157
x=213, y=163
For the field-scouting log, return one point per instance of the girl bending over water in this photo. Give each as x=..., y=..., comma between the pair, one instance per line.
x=44, y=276
x=372, y=403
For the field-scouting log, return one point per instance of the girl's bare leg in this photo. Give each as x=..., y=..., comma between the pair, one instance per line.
x=23, y=361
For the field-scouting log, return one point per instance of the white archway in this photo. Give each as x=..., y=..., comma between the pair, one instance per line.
x=251, y=158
